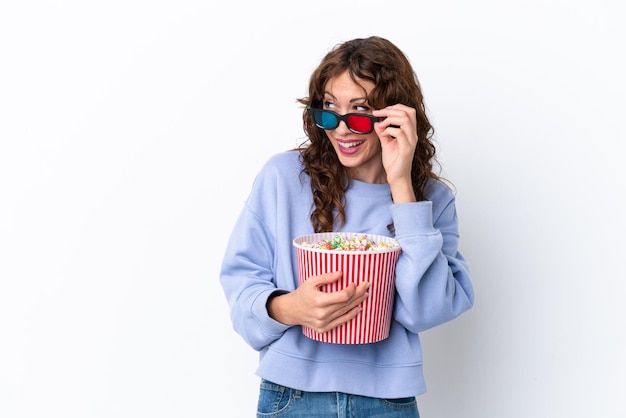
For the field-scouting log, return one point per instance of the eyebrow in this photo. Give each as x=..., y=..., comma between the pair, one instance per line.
x=356, y=99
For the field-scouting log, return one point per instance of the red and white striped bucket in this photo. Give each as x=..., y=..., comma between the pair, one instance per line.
x=377, y=267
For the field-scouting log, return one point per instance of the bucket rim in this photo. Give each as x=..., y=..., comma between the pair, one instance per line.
x=315, y=237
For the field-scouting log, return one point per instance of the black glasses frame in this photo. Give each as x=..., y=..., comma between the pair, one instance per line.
x=344, y=118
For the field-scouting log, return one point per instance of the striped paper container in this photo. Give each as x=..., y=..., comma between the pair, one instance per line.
x=377, y=267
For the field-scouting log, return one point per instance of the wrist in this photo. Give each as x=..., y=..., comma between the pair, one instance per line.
x=402, y=192
x=270, y=304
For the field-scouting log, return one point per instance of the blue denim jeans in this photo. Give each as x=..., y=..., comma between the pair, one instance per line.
x=280, y=401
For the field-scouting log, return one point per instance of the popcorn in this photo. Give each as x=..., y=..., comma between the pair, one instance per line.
x=359, y=242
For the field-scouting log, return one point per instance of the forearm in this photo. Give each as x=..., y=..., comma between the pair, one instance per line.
x=402, y=192
x=277, y=307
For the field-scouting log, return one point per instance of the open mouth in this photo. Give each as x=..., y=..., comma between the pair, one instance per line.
x=348, y=145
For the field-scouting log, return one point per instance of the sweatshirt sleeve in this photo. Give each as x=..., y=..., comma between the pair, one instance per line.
x=247, y=276
x=432, y=278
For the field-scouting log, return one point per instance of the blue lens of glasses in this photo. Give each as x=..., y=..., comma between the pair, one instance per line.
x=326, y=119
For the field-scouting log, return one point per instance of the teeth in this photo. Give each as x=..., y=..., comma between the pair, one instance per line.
x=350, y=144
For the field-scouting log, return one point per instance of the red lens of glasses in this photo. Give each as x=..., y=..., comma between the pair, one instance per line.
x=359, y=123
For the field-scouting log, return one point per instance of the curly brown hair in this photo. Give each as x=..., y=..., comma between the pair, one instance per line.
x=378, y=60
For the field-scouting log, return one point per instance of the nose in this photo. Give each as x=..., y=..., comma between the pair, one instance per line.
x=342, y=128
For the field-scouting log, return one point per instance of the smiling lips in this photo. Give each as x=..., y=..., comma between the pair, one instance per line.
x=349, y=144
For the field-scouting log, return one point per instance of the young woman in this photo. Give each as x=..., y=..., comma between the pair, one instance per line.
x=367, y=166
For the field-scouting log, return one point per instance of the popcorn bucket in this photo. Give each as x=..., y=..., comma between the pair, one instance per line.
x=376, y=265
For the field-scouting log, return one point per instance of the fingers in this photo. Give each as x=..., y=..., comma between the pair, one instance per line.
x=325, y=278
x=329, y=309
x=340, y=297
x=337, y=317
x=400, y=120
x=340, y=320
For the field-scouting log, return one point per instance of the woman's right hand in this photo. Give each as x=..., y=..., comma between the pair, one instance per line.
x=309, y=306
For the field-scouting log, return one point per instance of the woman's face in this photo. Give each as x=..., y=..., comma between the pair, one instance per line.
x=360, y=153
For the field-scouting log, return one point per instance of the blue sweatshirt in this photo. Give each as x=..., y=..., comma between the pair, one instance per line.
x=432, y=282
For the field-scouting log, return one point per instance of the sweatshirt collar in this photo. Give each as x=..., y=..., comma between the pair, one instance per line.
x=369, y=189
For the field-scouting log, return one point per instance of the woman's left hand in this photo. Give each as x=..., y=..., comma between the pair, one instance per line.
x=398, y=139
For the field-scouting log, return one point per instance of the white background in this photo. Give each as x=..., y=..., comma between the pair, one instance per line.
x=131, y=132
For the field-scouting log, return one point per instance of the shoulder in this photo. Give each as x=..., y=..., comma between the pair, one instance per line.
x=439, y=191
x=279, y=180
x=287, y=162
x=282, y=171
x=443, y=201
